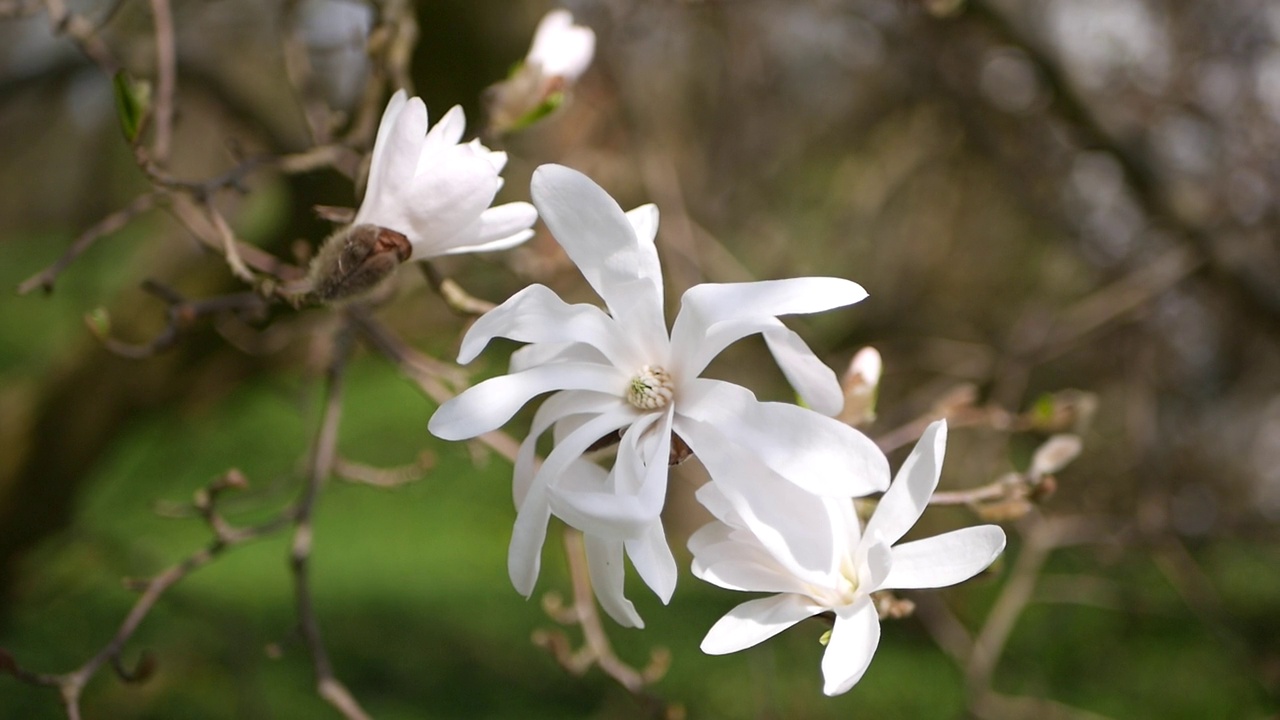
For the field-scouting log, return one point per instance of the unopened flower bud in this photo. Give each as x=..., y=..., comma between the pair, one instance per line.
x=355, y=260
x=560, y=53
x=861, y=383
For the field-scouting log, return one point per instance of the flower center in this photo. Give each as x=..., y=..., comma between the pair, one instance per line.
x=651, y=389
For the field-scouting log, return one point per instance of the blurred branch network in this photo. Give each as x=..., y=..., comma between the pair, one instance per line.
x=1038, y=196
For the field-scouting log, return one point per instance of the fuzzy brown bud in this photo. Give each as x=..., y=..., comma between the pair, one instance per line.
x=355, y=260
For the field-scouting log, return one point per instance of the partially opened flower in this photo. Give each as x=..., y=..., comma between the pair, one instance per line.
x=619, y=371
x=812, y=552
x=560, y=53
x=428, y=195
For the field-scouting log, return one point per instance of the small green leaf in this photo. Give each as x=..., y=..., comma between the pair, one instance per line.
x=133, y=102
x=545, y=108
x=99, y=322
x=826, y=638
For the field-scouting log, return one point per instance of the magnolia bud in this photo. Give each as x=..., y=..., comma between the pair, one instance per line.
x=860, y=383
x=355, y=260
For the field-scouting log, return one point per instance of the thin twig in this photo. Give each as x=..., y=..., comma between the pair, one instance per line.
x=109, y=224
x=166, y=80
x=323, y=453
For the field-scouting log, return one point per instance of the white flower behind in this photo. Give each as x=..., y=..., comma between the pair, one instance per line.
x=621, y=372
x=811, y=551
x=561, y=49
x=436, y=191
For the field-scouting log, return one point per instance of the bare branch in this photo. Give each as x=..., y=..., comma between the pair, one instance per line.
x=111, y=223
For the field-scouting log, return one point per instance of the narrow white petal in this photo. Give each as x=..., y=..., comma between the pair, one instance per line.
x=712, y=316
x=945, y=559
x=905, y=500
x=491, y=404
x=653, y=561
x=537, y=315
x=599, y=239
x=755, y=621
x=524, y=554
x=377, y=163
x=853, y=643
x=557, y=407
x=385, y=203
x=821, y=455
x=734, y=565
x=786, y=519
x=560, y=48
x=570, y=449
x=874, y=563
x=497, y=228
x=816, y=383
x=644, y=220
x=608, y=578
x=442, y=138
x=544, y=353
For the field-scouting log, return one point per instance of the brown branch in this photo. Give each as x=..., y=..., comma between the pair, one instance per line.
x=323, y=453
x=384, y=477
x=110, y=224
x=452, y=293
x=83, y=33
x=71, y=685
x=180, y=315
x=596, y=649
x=166, y=79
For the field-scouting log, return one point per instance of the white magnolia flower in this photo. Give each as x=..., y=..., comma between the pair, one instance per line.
x=621, y=372
x=561, y=49
x=811, y=552
x=436, y=192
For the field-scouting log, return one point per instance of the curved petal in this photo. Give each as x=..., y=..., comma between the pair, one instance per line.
x=491, y=404
x=599, y=239
x=543, y=353
x=712, y=316
x=608, y=579
x=786, y=519
x=537, y=315
x=631, y=502
x=563, y=404
x=905, y=500
x=722, y=560
x=815, y=383
x=524, y=554
x=945, y=559
x=498, y=228
x=442, y=201
x=821, y=455
x=874, y=565
x=644, y=221
x=755, y=621
x=442, y=138
x=653, y=561
x=374, y=185
x=853, y=643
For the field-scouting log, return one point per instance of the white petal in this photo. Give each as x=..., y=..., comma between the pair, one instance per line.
x=816, y=383
x=491, y=404
x=600, y=240
x=538, y=315
x=377, y=168
x=498, y=228
x=853, y=643
x=734, y=565
x=945, y=559
x=444, y=200
x=905, y=500
x=544, y=353
x=557, y=407
x=632, y=502
x=755, y=621
x=821, y=455
x=874, y=564
x=396, y=160
x=608, y=578
x=653, y=561
x=570, y=449
x=524, y=554
x=442, y=138
x=712, y=316
x=786, y=519
x=560, y=48
x=644, y=220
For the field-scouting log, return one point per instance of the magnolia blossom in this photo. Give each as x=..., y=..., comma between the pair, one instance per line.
x=619, y=371
x=435, y=191
x=561, y=49
x=811, y=551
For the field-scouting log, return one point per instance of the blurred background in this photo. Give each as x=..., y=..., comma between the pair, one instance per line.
x=1059, y=207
